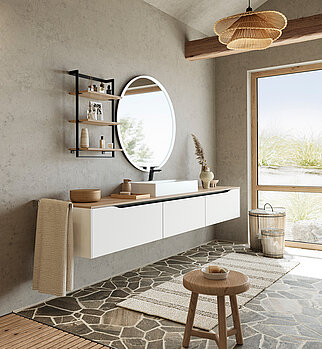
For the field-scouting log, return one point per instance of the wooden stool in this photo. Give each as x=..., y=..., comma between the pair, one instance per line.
x=234, y=284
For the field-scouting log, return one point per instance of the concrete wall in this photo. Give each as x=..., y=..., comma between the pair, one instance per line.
x=39, y=41
x=231, y=105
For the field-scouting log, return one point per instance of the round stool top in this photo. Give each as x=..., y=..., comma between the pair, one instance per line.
x=234, y=284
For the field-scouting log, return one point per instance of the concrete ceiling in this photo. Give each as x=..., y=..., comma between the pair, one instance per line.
x=202, y=14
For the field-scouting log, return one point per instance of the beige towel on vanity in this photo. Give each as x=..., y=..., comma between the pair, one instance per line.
x=53, y=259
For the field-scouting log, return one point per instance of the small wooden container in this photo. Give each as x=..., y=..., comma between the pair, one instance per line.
x=126, y=185
x=85, y=195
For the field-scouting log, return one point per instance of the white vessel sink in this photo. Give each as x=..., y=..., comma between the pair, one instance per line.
x=165, y=187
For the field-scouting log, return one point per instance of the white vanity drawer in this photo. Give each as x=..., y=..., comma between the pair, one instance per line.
x=183, y=215
x=222, y=206
x=114, y=229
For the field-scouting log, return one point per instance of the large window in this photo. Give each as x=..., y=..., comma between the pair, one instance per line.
x=287, y=147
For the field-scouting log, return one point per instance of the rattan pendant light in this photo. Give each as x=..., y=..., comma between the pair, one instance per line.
x=250, y=30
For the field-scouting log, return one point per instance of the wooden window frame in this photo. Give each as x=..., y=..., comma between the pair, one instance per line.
x=255, y=187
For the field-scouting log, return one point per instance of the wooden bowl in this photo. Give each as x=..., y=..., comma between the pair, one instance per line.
x=215, y=276
x=85, y=195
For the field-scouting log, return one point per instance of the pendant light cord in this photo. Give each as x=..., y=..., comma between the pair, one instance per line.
x=249, y=9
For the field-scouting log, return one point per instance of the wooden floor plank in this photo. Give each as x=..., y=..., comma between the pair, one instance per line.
x=73, y=344
x=17, y=332
x=8, y=316
x=21, y=327
x=11, y=320
x=11, y=325
x=17, y=337
x=7, y=319
x=88, y=346
x=36, y=338
x=93, y=345
x=52, y=339
x=18, y=327
x=66, y=339
x=70, y=345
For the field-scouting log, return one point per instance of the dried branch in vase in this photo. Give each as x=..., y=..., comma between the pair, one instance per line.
x=199, y=150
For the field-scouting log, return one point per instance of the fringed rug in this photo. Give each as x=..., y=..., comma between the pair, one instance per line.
x=170, y=300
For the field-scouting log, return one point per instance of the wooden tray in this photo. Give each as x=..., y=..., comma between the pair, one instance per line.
x=131, y=196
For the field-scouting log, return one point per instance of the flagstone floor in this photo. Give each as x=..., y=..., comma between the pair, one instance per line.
x=286, y=315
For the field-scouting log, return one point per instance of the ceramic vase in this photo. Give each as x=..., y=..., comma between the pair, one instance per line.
x=84, y=143
x=206, y=176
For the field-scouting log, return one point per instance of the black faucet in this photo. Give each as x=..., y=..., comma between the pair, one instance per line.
x=151, y=172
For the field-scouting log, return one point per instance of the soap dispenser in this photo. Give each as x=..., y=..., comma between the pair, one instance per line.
x=102, y=142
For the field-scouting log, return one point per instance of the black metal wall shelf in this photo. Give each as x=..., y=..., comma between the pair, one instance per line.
x=95, y=96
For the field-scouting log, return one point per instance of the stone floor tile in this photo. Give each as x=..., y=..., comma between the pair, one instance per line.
x=312, y=345
x=77, y=327
x=268, y=342
x=51, y=311
x=121, y=317
x=64, y=319
x=154, y=334
x=251, y=316
x=155, y=345
x=92, y=304
x=267, y=330
x=134, y=343
x=100, y=337
x=253, y=341
x=108, y=329
x=66, y=303
x=288, y=345
x=118, y=344
x=45, y=320
x=285, y=330
x=91, y=319
x=98, y=295
x=96, y=312
x=147, y=324
x=306, y=332
x=132, y=332
x=27, y=313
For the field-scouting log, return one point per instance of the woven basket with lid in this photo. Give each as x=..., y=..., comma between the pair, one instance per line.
x=264, y=219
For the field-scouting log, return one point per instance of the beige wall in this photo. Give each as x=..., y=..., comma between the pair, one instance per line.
x=231, y=105
x=121, y=39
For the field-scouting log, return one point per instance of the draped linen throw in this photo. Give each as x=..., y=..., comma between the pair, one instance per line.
x=53, y=258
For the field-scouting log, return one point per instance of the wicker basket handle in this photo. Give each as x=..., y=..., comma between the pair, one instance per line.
x=269, y=206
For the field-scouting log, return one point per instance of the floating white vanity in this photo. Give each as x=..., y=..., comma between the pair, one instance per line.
x=112, y=225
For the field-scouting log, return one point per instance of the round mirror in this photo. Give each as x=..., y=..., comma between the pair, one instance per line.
x=147, y=123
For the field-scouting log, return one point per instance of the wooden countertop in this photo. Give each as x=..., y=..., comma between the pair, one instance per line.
x=108, y=201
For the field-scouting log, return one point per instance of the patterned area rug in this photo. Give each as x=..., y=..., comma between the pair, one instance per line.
x=170, y=300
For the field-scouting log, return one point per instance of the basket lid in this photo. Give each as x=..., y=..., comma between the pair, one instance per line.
x=271, y=211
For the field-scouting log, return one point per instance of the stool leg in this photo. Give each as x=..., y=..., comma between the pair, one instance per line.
x=222, y=322
x=236, y=319
x=190, y=318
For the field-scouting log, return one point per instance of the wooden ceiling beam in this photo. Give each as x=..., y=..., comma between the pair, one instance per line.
x=297, y=30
